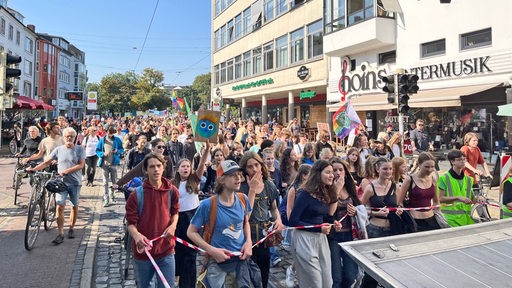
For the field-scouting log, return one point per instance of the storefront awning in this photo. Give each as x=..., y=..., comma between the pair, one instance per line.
x=24, y=102
x=441, y=97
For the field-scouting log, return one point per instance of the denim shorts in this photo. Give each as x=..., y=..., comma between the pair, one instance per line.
x=377, y=231
x=73, y=192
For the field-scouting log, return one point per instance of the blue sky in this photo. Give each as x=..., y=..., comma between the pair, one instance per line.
x=112, y=33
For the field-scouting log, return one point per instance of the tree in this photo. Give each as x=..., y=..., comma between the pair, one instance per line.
x=202, y=86
x=116, y=91
x=149, y=92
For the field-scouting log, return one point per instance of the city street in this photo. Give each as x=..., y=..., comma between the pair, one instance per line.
x=95, y=258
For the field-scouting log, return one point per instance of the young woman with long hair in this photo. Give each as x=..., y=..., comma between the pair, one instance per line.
x=211, y=171
x=308, y=155
x=315, y=204
x=344, y=268
x=369, y=175
x=263, y=197
x=289, y=165
x=381, y=193
x=400, y=169
x=421, y=188
x=355, y=165
x=187, y=181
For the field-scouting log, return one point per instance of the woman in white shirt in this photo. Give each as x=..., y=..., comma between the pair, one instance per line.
x=91, y=159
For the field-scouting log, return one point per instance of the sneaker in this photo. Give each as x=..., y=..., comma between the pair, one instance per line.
x=105, y=203
x=112, y=197
x=58, y=240
x=71, y=234
x=276, y=261
x=290, y=277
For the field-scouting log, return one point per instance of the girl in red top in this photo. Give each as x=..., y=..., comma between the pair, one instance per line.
x=473, y=157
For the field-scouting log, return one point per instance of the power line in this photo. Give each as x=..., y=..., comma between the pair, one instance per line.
x=146, y=37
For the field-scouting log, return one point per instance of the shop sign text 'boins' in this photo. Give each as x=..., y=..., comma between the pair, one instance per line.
x=367, y=78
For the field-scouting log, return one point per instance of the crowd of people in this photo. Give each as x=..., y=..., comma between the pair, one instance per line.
x=226, y=197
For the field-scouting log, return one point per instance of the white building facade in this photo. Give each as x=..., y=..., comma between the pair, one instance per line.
x=462, y=53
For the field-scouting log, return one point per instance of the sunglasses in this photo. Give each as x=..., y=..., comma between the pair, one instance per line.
x=160, y=147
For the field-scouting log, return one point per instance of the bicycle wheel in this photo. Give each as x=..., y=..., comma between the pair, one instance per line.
x=34, y=217
x=16, y=184
x=480, y=213
x=50, y=211
x=13, y=146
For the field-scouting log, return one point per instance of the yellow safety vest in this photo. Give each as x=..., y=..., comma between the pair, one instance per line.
x=507, y=213
x=458, y=214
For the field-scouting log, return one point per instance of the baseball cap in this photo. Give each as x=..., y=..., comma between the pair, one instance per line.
x=227, y=167
x=380, y=140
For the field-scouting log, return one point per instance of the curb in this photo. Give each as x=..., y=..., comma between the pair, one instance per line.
x=90, y=241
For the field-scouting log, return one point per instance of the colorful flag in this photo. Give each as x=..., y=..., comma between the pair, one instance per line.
x=181, y=104
x=174, y=100
x=344, y=120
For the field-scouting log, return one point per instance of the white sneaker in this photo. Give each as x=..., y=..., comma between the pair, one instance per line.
x=290, y=277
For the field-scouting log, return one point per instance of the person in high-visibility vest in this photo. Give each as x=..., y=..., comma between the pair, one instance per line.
x=454, y=187
x=507, y=196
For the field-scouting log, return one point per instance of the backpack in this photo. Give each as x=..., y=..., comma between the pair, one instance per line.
x=140, y=199
x=208, y=229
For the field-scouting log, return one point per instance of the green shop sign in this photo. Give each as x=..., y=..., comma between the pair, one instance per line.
x=253, y=84
x=307, y=94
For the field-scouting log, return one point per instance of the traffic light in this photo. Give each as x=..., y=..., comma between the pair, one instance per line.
x=389, y=88
x=403, y=90
x=412, y=84
x=6, y=72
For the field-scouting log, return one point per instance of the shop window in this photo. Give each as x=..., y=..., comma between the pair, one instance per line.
x=433, y=48
x=476, y=39
x=387, y=57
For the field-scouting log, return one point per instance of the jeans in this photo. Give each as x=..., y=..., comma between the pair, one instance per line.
x=109, y=173
x=344, y=268
x=144, y=271
x=185, y=257
x=273, y=254
x=261, y=256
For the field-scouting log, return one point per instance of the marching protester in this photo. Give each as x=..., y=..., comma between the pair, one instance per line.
x=474, y=157
x=71, y=160
x=225, y=217
x=263, y=198
x=158, y=215
x=109, y=151
x=90, y=143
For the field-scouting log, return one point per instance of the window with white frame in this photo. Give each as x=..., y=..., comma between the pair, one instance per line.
x=231, y=32
x=217, y=7
x=256, y=61
x=268, y=10
x=11, y=33
x=238, y=67
x=64, y=77
x=476, y=39
x=217, y=39
x=216, y=68
x=238, y=26
x=282, y=51
x=29, y=45
x=223, y=72
x=334, y=15
x=315, y=39
x=2, y=26
x=230, y=70
x=281, y=6
x=433, y=48
x=223, y=36
x=247, y=21
x=28, y=67
x=268, y=56
x=247, y=63
x=297, y=46
x=256, y=12
x=27, y=88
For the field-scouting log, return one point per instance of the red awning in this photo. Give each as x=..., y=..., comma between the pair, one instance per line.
x=24, y=102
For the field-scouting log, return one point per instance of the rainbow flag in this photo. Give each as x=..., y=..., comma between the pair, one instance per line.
x=181, y=104
x=174, y=100
x=344, y=120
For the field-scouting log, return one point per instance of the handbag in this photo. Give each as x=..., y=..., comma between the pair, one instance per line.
x=440, y=219
x=273, y=240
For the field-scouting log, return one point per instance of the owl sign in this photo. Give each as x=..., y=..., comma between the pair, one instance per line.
x=207, y=127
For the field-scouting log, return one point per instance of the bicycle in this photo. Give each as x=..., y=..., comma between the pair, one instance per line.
x=480, y=211
x=39, y=209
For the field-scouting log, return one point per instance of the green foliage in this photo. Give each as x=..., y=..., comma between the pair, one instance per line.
x=202, y=85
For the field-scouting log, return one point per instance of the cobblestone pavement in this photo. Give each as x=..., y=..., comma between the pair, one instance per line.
x=110, y=256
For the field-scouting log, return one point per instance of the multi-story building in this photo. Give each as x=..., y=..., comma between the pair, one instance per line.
x=46, y=71
x=461, y=52
x=19, y=40
x=267, y=55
